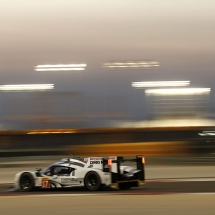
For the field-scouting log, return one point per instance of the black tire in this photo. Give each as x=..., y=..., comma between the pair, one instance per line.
x=26, y=182
x=124, y=186
x=92, y=181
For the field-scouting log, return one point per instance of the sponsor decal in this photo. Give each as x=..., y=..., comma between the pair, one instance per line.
x=113, y=158
x=45, y=179
x=95, y=162
x=69, y=180
x=96, y=159
x=106, y=173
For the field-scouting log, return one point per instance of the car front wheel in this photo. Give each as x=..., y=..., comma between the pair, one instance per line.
x=26, y=182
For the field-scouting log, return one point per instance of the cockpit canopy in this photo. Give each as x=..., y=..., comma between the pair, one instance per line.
x=58, y=170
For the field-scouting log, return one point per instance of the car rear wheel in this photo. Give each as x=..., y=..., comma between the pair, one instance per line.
x=26, y=182
x=92, y=181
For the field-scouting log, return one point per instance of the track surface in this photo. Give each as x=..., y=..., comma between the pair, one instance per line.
x=151, y=188
x=163, y=198
x=109, y=204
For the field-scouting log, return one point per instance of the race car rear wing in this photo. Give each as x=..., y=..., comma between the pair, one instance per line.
x=140, y=164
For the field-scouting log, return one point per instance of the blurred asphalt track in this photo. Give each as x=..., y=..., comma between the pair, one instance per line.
x=93, y=204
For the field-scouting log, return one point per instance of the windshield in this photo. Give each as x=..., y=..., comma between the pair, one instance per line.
x=58, y=170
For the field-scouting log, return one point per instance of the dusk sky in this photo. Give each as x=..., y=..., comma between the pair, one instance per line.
x=178, y=34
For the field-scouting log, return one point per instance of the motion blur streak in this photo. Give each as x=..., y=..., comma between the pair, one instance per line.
x=23, y=87
x=160, y=84
x=51, y=132
x=207, y=133
x=60, y=67
x=131, y=64
x=179, y=91
x=175, y=148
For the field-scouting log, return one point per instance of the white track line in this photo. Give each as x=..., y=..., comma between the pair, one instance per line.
x=181, y=180
x=50, y=195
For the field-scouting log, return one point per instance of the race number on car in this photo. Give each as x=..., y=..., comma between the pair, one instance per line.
x=45, y=183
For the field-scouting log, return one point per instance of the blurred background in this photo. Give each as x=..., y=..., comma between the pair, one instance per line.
x=107, y=78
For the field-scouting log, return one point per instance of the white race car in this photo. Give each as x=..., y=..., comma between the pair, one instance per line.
x=93, y=173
